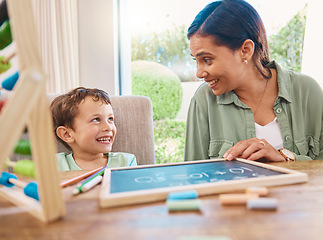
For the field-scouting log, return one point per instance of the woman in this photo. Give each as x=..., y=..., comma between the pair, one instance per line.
x=248, y=107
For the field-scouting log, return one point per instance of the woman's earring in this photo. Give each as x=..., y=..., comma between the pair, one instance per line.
x=246, y=61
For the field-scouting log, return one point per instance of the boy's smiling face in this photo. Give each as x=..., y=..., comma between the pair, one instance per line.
x=93, y=128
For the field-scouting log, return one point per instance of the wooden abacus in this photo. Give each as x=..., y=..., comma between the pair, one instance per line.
x=28, y=105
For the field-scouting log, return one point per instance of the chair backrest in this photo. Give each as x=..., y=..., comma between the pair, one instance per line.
x=134, y=122
x=135, y=130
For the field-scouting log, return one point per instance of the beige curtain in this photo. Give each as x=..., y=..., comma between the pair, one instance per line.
x=56, y=21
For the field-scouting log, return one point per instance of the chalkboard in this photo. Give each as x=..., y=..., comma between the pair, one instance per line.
x=179, y=175
x=122, y=186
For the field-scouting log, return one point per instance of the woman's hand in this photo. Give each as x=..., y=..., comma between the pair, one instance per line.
x=254, y=149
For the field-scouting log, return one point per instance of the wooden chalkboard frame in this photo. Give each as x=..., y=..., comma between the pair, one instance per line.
x=108, y=199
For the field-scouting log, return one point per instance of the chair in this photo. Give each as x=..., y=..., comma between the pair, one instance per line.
x=135, y=131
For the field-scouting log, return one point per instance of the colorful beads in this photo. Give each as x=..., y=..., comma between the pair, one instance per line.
x=25, y=167
x=5, y=35
x=23, y=147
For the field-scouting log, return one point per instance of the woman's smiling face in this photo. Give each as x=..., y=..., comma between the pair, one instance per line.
x=222, y=68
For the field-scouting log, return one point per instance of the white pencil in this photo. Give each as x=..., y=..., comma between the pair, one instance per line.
x=88, y=185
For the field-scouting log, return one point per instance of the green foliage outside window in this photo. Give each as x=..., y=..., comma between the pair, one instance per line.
x=286, y=47
x=169, y=48
x=161, y=85
x=169, y=141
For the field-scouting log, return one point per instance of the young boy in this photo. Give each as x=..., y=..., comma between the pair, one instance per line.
x=84, y=122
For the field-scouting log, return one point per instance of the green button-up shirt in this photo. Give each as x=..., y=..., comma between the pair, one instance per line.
x=216, y=123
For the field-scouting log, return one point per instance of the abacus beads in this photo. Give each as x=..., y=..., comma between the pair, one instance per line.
x=10, y=180
x=5, y=35
x=4, y=66
x=10, y=82
x=31, y=190
x=2, y=103
x=24, y=167
x=23, y=147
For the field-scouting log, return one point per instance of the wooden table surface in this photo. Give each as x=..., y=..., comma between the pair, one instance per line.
x=299, y=216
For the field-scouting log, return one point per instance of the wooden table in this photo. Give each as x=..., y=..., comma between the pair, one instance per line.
x=299, y=216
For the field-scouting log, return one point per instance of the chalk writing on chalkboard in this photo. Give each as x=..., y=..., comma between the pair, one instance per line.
x=187, y=174
x=150, y=183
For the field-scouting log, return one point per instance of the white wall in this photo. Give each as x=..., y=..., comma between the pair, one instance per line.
x=189, y=89
x=102, y=31
x=98, y=45
x=313, y=51
x=125, y=50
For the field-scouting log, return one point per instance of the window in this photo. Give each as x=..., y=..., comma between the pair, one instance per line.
x=158, y=33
